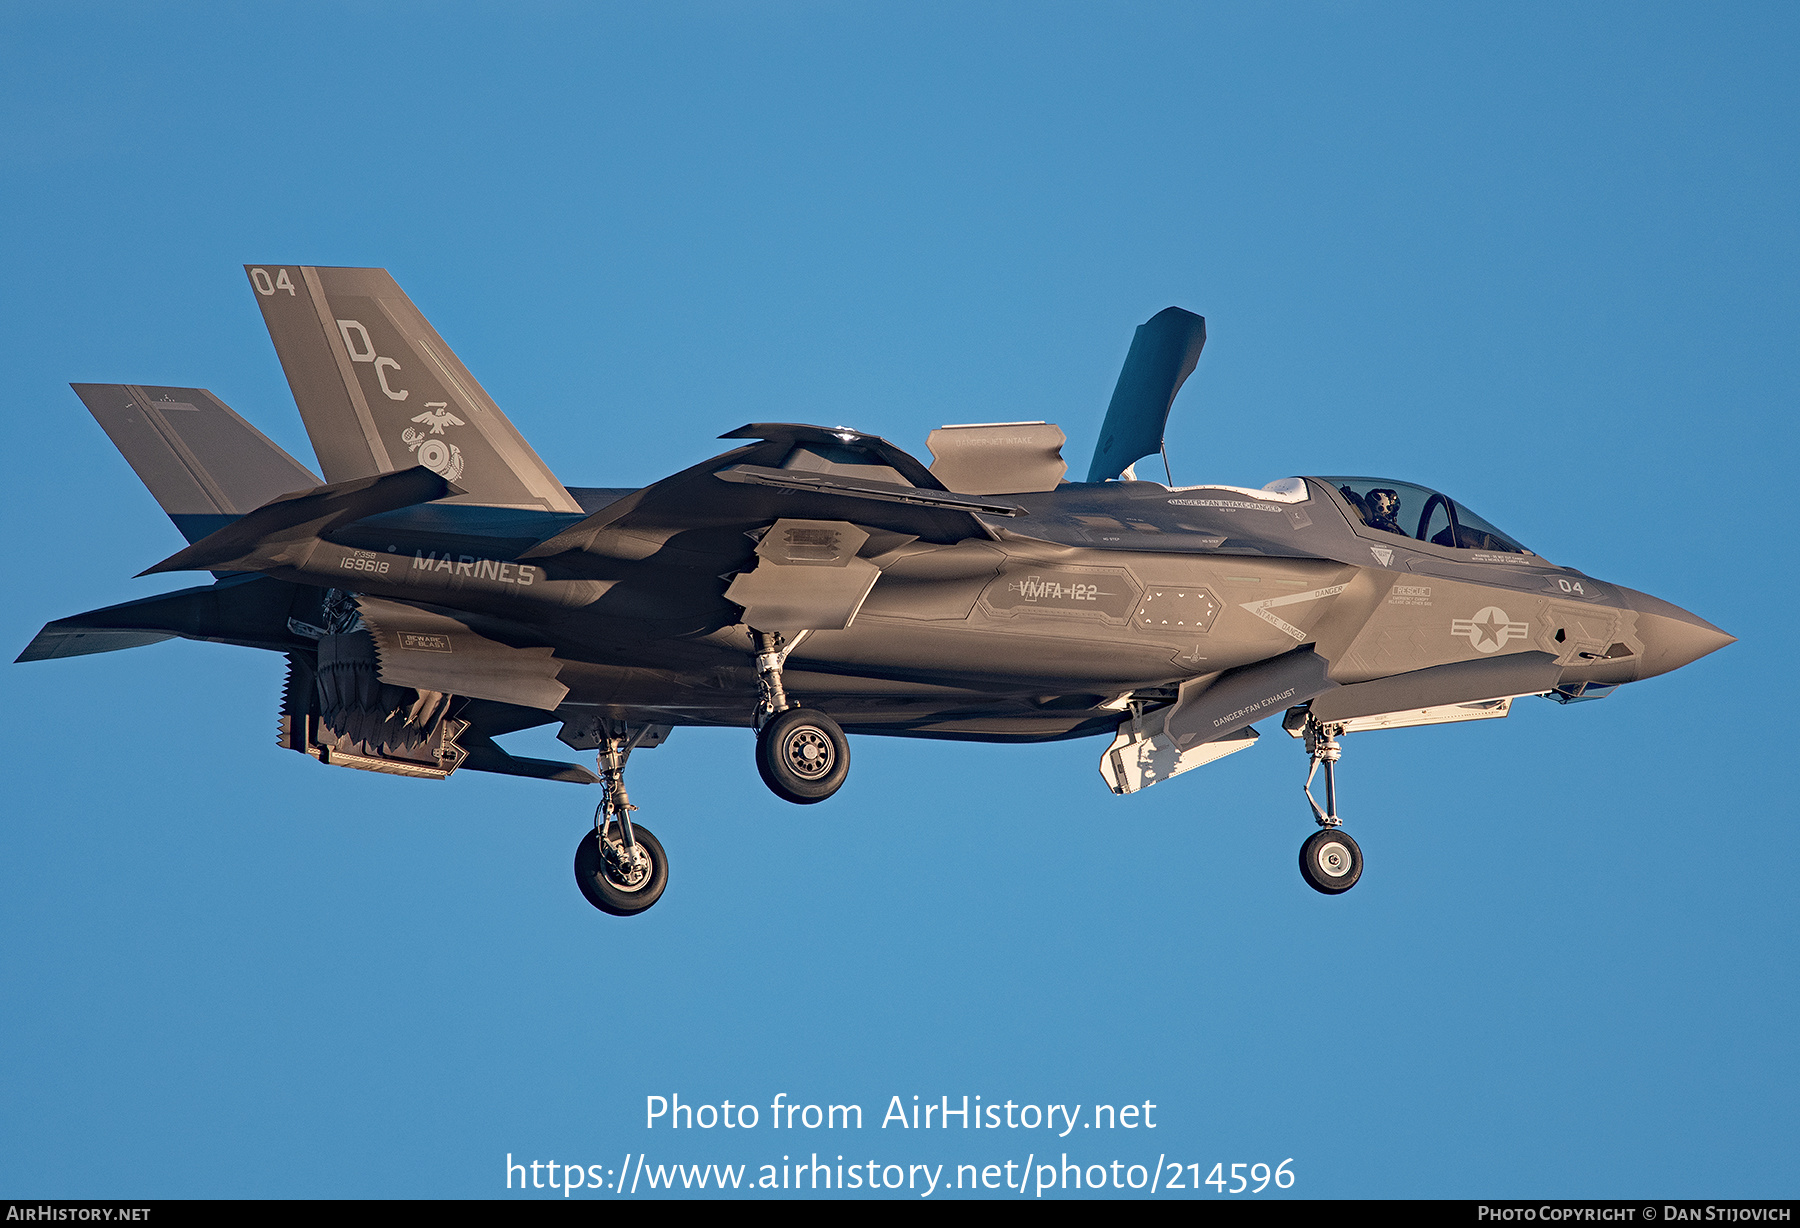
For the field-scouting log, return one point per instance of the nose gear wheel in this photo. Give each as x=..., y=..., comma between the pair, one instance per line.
x=1330, y=861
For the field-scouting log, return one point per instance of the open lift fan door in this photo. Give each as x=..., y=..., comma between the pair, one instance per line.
x=1164, y=351
x=1005, y=458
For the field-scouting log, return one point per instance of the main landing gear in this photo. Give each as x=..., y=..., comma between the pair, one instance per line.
x=620, y=867
x=1330, y=860
x=801, y=754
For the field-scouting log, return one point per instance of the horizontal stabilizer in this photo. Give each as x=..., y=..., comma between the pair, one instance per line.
x=380, y=391
x=1164, y=352
x=58, y=640
x=266, y=534
x=202, y=462
x=251, y=611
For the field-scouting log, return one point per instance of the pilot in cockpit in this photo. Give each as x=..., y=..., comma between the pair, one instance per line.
x=1384, y=508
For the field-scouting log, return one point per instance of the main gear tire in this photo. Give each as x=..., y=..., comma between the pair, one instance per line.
x=803, y=756
x=1330, y=861
x=618, y=886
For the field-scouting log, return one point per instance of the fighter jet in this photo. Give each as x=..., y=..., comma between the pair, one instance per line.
x=441, y=588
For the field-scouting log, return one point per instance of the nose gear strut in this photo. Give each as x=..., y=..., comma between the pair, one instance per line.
x=1330, y=861
x=1322, y=746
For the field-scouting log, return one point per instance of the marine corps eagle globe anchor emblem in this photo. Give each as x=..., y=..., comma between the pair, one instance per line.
x=439, y=455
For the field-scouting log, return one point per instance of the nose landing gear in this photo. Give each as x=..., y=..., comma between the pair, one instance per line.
x=1330, y=860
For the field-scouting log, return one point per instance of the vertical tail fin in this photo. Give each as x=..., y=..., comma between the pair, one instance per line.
x=205, y=465
x=380, y=391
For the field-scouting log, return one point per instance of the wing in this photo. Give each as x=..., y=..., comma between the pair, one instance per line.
x=841, y=499
x=795, y=472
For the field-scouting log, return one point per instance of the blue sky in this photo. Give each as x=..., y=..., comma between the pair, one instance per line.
x=1542, y=257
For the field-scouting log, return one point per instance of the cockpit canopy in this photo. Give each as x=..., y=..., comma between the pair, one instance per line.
x=1424, y=515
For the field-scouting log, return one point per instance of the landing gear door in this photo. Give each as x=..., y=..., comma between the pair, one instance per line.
x=807, y=577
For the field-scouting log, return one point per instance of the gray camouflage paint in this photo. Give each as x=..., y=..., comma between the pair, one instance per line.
x=919, y=611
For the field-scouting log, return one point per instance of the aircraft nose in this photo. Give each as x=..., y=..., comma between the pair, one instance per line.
x=1672, y=636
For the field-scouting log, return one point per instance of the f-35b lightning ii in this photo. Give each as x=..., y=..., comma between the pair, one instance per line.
x=441, y=587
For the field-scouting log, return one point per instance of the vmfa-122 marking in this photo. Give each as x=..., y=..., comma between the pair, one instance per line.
x=439, y=587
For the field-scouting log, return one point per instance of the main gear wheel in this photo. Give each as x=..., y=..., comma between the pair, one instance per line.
x=803, y=755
